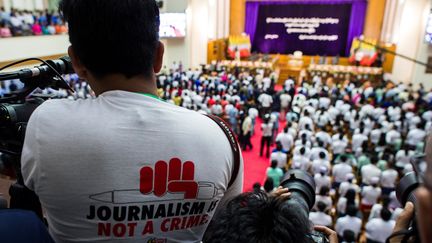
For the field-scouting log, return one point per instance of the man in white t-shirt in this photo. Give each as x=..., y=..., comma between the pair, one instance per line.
x=349, y=222
x=322, y=179
x=369, y=171
x=286, y=139
x=379, y=229
x=126, y=166
x=320, y=217
x=348, y=184
x=340, y=171
x=370, y=194
x=265, y=101
x=416, y=136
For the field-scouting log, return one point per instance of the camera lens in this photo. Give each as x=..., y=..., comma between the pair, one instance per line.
x=302, y=188
x=406, y=187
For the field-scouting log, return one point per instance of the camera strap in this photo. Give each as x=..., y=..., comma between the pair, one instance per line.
x=234, y=146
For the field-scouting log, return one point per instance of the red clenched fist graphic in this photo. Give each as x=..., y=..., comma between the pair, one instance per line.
x=172, y=178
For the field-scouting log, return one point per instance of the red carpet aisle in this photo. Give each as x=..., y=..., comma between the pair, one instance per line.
x=255, y=166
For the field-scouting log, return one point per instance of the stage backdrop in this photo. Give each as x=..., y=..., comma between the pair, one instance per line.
x=315, y=27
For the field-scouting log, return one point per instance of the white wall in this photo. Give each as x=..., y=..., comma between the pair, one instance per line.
x=424, y=51
x=32, y=46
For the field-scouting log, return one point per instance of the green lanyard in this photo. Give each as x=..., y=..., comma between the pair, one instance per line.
x=149, y=95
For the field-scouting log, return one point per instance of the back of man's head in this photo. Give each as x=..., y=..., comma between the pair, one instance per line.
x=112, y=36
x=321, y=206
x=385, y=214
x=256, y=217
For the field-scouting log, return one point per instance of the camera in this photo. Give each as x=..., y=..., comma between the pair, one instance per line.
x=15, y=111
x=405, y=190
x=302, y=188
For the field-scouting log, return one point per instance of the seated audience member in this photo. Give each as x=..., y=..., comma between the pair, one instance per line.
x=348, y=184
x=350, y=198
x=379, y=229
x=324, y=197
x=321, y=217
x=4, y=31
x=37, y=29
x=349, y=222
x=257, y=217
x=370, y=171
x=340, y=171
x=370, y=195
x=322, y=179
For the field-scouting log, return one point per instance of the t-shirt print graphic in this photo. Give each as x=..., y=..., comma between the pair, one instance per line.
x=174, y=180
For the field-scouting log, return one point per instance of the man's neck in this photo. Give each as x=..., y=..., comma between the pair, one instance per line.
x=137, y=84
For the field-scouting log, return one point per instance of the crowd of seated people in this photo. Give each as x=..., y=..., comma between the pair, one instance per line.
x=354, y=138
x=27, y=23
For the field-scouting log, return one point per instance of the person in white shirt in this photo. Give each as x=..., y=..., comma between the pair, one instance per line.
x=317, y=164
x=348, y=184
x=324, y=137
x=379, y=229
x=388, y=179
x=370, y=195
x=340, y=171
x=320, y=217
x=416, y=136
x=349, y=222
x=376, y=134
x=302, y=159
x=125, y=150
x=305, y=120
x=279, y=156
x=323, y=196
x=403, y=156
x=267, y=133
x=358, y=140
x=286, y=139
x=339, y=146
x=265, y=101
x=322, y=179
x=369, y=171
x=285, y=100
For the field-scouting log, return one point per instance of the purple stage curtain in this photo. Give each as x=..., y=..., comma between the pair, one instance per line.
x=356, y=25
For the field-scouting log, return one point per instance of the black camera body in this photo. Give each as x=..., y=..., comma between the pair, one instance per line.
x=302, y=188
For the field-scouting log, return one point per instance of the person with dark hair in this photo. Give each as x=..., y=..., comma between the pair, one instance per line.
x=349, y=222
x=321, y=217
x=324, y=197
x=348, y=237
x=379, y=229
x=345, y=201
x=340, y=171
x=275, y=173
x=267, y=132
x=103, y=167
x=269, y=185
x=261, y=218
x=369, y=171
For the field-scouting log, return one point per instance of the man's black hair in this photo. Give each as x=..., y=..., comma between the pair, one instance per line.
x=257, y=217
x=351, y=210
x=321, y=206
x=112, y=36
x=385, y=214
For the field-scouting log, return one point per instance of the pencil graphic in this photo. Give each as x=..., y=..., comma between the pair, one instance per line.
x=206, y=191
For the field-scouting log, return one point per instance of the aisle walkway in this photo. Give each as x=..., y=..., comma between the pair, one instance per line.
x=255, y=166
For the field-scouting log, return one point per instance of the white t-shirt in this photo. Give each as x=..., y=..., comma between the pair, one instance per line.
x=370, y=195
x=321, y=181
x=280, y=157
x=388, y=178
x=379, y=230
x=265, y=100
x=286, y=140
x=318, y=163
x=345, y=186
x=320, y=218
x=415, y=136
x=340, y=171
x=348, y=223
x=285, y=99
x=368, y=172
x=91, y=160
x=267, y=129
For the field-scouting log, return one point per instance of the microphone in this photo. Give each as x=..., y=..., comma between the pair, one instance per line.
x=62, y=66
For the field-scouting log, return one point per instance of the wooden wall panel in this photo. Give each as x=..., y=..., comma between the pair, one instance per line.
x=237, y=16
x=374, y=19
